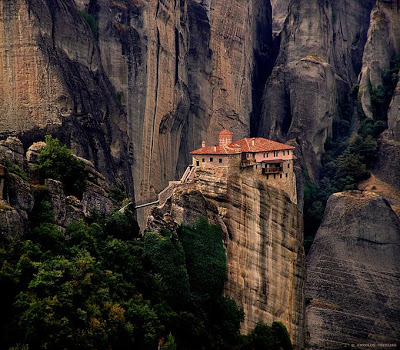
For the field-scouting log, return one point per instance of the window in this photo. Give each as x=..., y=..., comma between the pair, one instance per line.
x=276, y=153
x=203, y=160
x=286, y=174
x=288, y=165
x=267, y=177
x=220, y=160
x=274, y=176
x=283, y=152
x=211, y=160
x=280, y=176
x=197, y=163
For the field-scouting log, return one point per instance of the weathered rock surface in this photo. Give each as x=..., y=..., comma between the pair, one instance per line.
x=181, y=70
x=382, y=46
x=17, y=199
x=353, y=275
x=13, y=222
x=318, y=63
x=52, y=81
x=263, y=238
x=280, y=9
x=186, y=205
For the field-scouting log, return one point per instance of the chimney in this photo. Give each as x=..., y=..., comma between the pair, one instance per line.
x=225, y=137
x=253, y=141
x=203, y=144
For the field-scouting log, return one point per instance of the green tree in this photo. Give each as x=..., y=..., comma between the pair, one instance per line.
x=57, y=162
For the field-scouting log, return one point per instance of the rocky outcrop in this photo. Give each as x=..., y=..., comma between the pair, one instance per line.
x=17, y=198
x=185, y=205
x=52, y=81
x=263, y=239
x=318, y=63
x=382, y=46
x=353, y=275
x=280, y=10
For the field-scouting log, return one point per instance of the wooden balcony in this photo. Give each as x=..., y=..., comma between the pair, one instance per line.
x=272, y=170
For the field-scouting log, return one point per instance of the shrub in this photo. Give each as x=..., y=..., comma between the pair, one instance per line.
x=92, y=23
x=57, y=162
x=16, y=170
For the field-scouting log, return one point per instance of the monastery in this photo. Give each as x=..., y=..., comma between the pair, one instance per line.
x=271, y=160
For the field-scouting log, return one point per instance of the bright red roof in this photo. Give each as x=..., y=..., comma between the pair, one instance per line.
x=245, y=145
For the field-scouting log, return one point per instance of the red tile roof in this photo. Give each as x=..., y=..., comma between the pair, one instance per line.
x=260, y=145
x=245, y=145
x=217, y=150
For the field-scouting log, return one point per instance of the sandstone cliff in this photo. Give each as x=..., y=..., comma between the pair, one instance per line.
x=382, y=46
x=381, y=49
x=52, y=81
x=353, y=276
x=263, y=239
x=319, y=59
x=181, y=70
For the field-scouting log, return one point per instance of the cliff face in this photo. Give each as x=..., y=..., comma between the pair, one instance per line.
x=182, y=70
x=319, y=59
x=382, y=46
x=353, y=273
x=52, y=81
x=263, y=239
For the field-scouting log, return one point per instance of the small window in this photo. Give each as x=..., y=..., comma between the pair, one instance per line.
x=267, y=177
x=220, y=160
x=203, y=160
x=197, y=163
x=288, y=165
x=276, y=153
x=211, y=160
x=286, y=174
x=280, y=176
x=274, y=176
x=283, y=152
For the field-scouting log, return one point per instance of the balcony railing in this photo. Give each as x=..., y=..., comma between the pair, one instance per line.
x=273, y=170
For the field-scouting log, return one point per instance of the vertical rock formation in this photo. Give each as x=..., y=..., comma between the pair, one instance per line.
x=382, y=46
x=263, y=239
x=181, y=69
x=144, y=45
x=381, y=50
x=353, y=275
x=318, y=63
x=52, y=81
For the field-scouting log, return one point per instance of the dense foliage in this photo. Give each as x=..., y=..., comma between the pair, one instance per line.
x=99, y=285
x=57, y=162
x=91, y=287
x=348, y=157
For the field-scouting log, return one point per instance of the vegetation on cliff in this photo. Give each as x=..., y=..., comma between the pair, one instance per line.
x=348, y=157
x=97, y=284
x=57, y=162
x=88, y=288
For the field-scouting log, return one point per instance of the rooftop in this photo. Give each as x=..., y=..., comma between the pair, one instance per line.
x=246, y=145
